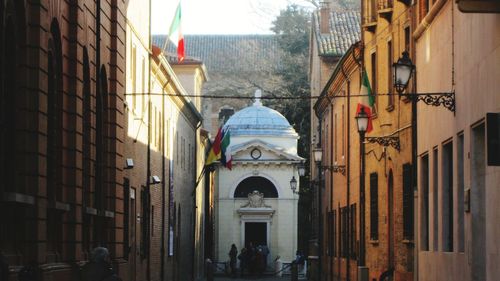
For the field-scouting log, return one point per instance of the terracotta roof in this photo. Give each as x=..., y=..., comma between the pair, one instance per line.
x=229, y=53
x=344, y=31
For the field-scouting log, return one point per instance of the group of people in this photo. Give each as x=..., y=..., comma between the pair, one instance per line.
x=253, y=259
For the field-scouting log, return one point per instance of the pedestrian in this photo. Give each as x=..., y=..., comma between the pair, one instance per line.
x=251, y=258
x=259, y=262
x=232, y=260
x=265, y=252
x=243, y=257
x=99, y=267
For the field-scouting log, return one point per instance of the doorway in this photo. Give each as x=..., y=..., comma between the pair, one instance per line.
x=256, y=233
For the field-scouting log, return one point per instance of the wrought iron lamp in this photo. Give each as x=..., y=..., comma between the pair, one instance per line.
x=403, y=70
x=293, y=184
x=318, y=157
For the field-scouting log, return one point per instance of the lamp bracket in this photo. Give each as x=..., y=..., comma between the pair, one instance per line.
x=335, y=168
x=385, y=141
x=436, y=99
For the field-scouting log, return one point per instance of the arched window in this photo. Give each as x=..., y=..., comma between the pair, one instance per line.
x=260, y=184
x=87, y=129
x=54, y=141
x=54, y=113
x=100, y=194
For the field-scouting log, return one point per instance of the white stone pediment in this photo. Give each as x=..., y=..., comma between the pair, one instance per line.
x=266, y=152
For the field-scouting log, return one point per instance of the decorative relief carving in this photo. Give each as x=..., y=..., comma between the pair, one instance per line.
x=255, y=200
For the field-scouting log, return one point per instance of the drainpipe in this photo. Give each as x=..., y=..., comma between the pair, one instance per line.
x=163, y=187
x=193, y=262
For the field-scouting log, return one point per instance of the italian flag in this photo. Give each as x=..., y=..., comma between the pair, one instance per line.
x=175, y=34
x=367, y=100
x=226, y=157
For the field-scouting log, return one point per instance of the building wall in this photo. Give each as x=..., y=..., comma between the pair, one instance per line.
x=192, y=77
x=64, y=188
x=137, y=147
x=385, y=37
x=457, y=52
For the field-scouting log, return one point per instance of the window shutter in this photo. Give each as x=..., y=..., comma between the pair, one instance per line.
x=374, y=206
x=407, y=202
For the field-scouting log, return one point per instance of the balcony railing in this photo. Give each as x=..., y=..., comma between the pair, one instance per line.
x=385, y=8
x=385, y=4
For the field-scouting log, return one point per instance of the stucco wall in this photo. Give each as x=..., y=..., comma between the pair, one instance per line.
x=460, y=52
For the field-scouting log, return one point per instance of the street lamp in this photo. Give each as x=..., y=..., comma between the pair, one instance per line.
x=402, y=70
x=362, y=122
x=318, y=157
x=293, y=184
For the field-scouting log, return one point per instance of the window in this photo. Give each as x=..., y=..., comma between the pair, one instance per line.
x=447, y=197
x=126, y=216
x=334, y=233
x=144, y=251
x=373, y=79
x=260, y=184
x=331, y=242
x=352, y=232
x=152, y=221
x=435, y=225
x=424, y=185
x=460, y=193
x=408, y=202
x=343, y=132
x=424, y=8
x=344, y=234
x=390, y=96
x=407, y=39
x=373, y=206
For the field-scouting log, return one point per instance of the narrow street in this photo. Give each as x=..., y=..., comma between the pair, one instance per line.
x=179, y=140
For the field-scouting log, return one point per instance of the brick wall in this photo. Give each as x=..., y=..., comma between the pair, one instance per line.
x=55, y=183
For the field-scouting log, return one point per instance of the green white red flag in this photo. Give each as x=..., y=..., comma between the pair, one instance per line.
x=367, y=100
x=175, y=34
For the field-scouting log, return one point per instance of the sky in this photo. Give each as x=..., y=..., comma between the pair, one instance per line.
x=218, y=16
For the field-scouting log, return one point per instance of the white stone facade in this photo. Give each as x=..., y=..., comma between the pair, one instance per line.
x=274, y=163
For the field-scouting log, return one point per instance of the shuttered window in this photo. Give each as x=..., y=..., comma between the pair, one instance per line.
x=374, y=206
x=353, y=231
x=407, y=202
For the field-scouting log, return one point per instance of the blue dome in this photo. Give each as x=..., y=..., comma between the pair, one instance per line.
x=259, y=120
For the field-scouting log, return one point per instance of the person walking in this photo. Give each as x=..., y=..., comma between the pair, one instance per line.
x=232, y=260
x=243, y=257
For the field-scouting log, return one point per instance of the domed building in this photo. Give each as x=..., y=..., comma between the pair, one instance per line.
x=255, y=202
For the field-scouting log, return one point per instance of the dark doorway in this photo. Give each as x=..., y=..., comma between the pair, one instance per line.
x=256, y=232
